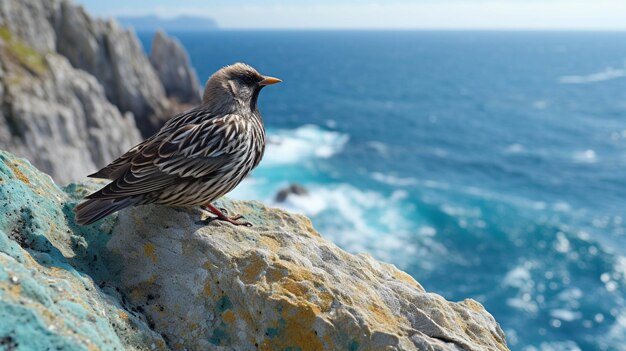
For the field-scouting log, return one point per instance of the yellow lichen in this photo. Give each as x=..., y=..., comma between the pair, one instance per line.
x=297, y=329
x=382, y=316
x=13, y=291
x=206, y=290
x=270, y=243
x=18, y=173
x=406, y=278
x=294, y=288
x=149, y=251
x=228, y=316
x=251, y=271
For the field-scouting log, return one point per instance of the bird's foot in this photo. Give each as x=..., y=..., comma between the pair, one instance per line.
x=222, y=217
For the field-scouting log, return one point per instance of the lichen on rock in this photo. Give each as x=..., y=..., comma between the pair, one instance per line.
x=159, y=278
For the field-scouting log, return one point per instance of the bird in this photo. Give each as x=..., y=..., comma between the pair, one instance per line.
x=195, y=158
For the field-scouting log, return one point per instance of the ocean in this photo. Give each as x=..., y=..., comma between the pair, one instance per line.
x=488, y=165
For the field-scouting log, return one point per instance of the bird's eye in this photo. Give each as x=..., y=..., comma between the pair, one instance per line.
x=247, y=79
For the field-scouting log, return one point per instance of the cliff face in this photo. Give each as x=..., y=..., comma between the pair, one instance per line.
x=74, y=90
x=114, y=56
x=170, y=60
x=57, y=116
x=156, y=278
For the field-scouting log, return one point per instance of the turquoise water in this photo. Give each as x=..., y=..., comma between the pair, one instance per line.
x=487, y=165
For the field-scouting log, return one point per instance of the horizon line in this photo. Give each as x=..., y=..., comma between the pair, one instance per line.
x=410, y=29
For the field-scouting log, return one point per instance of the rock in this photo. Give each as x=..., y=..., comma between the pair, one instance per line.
x=172, y=65
x=58, y=116
x=53, y=293
x=105, y=50
x=71, y=86
x=156, y=276
x=31, y=21
x=115, y=57
x=293, y=189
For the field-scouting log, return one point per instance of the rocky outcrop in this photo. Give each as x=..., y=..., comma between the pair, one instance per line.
x=114, y=56
x=54, y=293
x=57, y=116
x=171, y=62
x=31, y=21
x=157, y=278
x=74, y=89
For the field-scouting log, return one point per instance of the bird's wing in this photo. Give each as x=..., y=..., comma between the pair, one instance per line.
x=120, y=165
x=190, y=151
x=116, y=168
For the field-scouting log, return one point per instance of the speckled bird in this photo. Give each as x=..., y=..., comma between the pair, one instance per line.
x=197, y=157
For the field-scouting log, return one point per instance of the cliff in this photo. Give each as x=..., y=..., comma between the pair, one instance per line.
x=157, y=278
x=172, y=65
x=75, y=92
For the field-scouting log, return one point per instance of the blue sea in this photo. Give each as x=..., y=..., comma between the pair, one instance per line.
x=488, y=165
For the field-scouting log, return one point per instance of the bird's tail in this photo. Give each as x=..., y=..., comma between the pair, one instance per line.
x=92, y=210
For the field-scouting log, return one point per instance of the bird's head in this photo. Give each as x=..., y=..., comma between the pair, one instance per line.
x=235, y=86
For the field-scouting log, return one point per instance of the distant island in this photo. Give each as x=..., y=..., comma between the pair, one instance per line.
x=180, y=24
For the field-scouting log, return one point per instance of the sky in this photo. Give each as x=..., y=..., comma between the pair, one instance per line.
x=390, y=14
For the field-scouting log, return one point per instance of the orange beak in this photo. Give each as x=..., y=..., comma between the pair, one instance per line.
x=269, y=81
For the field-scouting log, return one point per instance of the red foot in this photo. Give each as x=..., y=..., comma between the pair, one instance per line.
x=222, y=217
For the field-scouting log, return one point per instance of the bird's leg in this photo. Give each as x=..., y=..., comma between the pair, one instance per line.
x=222, y=217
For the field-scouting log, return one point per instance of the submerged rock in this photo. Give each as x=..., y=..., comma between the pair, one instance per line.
x=293, y=189
x=157, y=277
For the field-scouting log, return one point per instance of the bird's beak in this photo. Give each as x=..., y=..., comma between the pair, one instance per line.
x=269, y=81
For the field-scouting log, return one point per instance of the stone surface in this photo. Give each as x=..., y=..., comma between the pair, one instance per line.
x=172, y=65
x=52, y=297
x=56, y=116
x=100, y=47
x=115, y=57
x=32, y=21
x=158, y=277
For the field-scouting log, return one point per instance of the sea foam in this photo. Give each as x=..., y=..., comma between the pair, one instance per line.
x=306, y=142
x=609, y=73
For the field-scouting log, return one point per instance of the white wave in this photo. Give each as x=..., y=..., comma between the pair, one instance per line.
x=295, y=145
x=617, y=332
x=379, y=147
x=562, y=244
x=393, y=180
x=518, y=277
x=609, y=73
x=359, y=221
x=586, y=156
x=559, y=346
x=565, y=314
x=570, y=295
x=514, y=149
x=427, y=231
